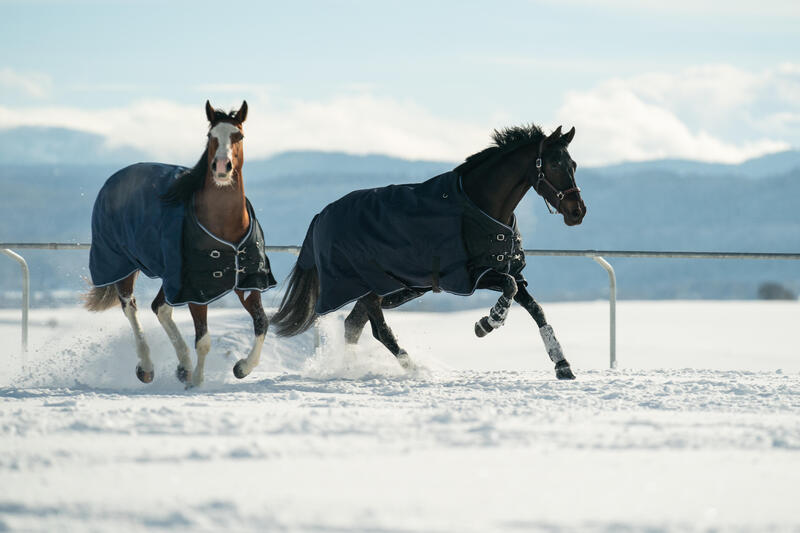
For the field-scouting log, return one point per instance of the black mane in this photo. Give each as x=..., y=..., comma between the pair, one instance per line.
x=505, y=141
x=188, y=182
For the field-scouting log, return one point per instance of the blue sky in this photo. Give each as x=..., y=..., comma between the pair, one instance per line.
x=716, y=81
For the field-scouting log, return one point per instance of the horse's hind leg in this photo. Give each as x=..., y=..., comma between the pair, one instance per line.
x=551, y=344
x=144, y=370
x=382, y=331
x=354, y=323
x=164, y=313
x=252, y=303
x=202, y=341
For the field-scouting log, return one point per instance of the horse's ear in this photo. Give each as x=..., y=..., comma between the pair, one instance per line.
x=567, y=138
x=554, y=136
x=241, y=115
x=209, y=112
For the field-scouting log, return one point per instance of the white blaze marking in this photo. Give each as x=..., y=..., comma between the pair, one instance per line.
x=222, y=133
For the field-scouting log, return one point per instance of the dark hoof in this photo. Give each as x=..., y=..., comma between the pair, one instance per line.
x=482, y=327
x=238, y=369
x=563, y=371
x=144, y=377
x=182, y=374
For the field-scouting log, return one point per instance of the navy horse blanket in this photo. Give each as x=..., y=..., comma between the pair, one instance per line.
x=422, y=236
x=134, y=229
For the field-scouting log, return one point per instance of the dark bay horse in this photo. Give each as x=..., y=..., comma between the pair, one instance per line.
x=455, y=232
x=194, y=229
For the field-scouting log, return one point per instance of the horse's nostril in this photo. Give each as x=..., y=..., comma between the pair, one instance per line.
x=229, y=166
x=576, y=213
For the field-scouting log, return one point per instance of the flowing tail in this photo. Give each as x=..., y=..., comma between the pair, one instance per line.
x=296, y=312
x=101, y=298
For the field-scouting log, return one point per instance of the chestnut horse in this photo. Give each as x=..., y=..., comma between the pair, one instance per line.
x=455, y=232
x=194, y=229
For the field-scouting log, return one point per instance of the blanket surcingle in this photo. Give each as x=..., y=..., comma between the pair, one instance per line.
x=423, y=235
x=133, y=229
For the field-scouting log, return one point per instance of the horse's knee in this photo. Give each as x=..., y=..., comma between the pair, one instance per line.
x=532, y=306
x=158, y=302
x=538, y=314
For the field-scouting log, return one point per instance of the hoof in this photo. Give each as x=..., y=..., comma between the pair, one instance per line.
x=144, y=377
x=238, y=369
x=563, y=371
x=194, y=382
x=182, y=374
x=482, y=327
x=405, y=361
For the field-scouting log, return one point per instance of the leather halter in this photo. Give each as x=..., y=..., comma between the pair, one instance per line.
x=541, y=178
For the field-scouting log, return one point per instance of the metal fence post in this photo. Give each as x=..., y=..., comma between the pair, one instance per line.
x=26, y=296
x=612, y=309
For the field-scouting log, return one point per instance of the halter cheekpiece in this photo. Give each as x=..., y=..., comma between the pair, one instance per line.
x=541, y=178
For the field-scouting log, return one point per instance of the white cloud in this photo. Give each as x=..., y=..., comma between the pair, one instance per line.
x=32, y=84
x=359, y=124
x=164, y=129
x=707, y=113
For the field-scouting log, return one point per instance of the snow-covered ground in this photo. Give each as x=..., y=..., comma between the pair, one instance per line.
x=698, y=429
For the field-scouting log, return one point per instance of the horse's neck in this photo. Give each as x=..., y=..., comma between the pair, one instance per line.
x=498, y=189
x=223, y=210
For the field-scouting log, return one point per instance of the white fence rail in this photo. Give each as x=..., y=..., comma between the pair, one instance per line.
x=597, y=255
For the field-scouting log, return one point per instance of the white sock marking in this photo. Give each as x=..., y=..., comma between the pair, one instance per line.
x=203, y=346
x=181, y=349
x=142, y=350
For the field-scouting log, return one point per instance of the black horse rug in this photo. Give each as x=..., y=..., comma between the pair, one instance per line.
x=134, y=229
x=424, y=236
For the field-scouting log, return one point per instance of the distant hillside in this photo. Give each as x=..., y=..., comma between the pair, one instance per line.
x=32, y=145
x=298, y=163
x=759, y=167
x=650, y=206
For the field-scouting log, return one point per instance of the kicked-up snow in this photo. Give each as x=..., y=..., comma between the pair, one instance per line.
x=699, y=428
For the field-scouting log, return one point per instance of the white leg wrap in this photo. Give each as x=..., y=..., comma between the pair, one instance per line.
x=497, y=315
x=181, y=349
x=203, y=346
x=142, y=350
x=551, y=343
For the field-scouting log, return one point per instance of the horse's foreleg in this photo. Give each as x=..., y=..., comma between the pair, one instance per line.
x=144, y=370
x=382, y=331
x=251, y=301
x=497, y=314
x=355, y=322
x=551, y=344
x=202, y=341
x=164, y=313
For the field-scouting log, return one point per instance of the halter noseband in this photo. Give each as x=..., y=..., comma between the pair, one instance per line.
x=541, y=178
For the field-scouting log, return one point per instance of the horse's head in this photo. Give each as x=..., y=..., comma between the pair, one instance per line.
x=553, y=176
x=224, y=150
